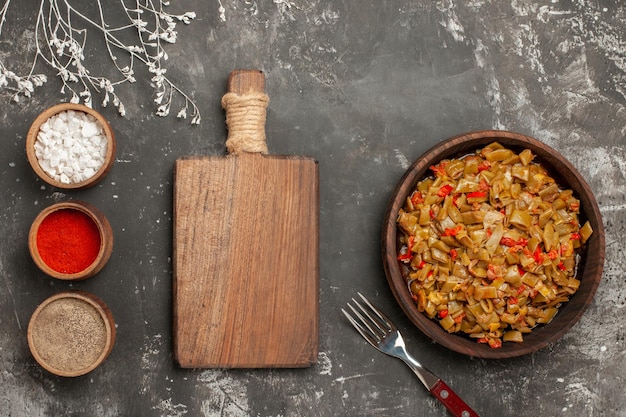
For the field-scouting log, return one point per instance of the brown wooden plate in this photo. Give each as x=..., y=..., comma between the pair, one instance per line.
x=589, y=270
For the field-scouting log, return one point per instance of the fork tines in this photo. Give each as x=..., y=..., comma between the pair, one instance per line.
x=368, y=320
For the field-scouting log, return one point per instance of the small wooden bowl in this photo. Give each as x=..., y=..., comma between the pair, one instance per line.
x=31, y=137
x=592, y=258
x=71, y=333
x=105, y=240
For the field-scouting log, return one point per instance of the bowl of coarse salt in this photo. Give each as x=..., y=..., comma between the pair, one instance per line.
x=70, y=146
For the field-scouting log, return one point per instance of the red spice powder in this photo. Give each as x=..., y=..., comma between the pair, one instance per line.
x=68, y=241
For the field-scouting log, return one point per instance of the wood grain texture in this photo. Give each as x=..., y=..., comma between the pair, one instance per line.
x=246, y=274
x=592, y=258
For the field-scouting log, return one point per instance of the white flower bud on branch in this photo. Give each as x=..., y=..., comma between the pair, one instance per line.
x=63, y=49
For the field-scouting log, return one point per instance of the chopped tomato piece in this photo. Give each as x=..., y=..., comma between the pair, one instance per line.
x=476, y=194
x=459, y=318
x=417, y=198
x=495, y=343
x=484, y=166
x=507, y=241
x=405, y=257
x=484, y=185
x=440, y=169
x=452, y=231
x=445, y=190
x=538, y=255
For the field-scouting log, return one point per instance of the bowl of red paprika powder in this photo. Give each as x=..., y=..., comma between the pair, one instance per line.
x=71, y=240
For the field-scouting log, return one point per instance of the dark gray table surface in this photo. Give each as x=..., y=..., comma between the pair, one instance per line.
x=365, y=87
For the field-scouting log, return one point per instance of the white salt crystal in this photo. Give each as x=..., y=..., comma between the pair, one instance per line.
x=89, y=130
x=59, y=125
x=42, y=137
x=73, y=124
x=45, y=165
x=54, y=160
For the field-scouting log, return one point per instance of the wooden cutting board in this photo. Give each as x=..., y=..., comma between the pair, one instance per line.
x=246, y=247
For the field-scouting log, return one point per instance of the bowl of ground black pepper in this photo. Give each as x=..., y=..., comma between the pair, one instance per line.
x=71, y=333
x=71, y=240
x=70, y=146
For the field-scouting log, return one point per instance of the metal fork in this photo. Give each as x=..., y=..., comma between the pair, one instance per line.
x=380, y=332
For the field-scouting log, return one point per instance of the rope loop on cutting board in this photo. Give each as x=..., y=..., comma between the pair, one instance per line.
x=245, y=119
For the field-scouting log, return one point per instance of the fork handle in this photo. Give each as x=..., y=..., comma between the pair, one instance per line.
x=455, y=405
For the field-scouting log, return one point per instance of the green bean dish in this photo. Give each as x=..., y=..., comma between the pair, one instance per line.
x=491, y=244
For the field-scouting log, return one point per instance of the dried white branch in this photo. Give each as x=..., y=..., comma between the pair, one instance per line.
x=61, y=31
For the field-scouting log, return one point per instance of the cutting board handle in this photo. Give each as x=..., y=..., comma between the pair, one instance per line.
x=245, y=104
